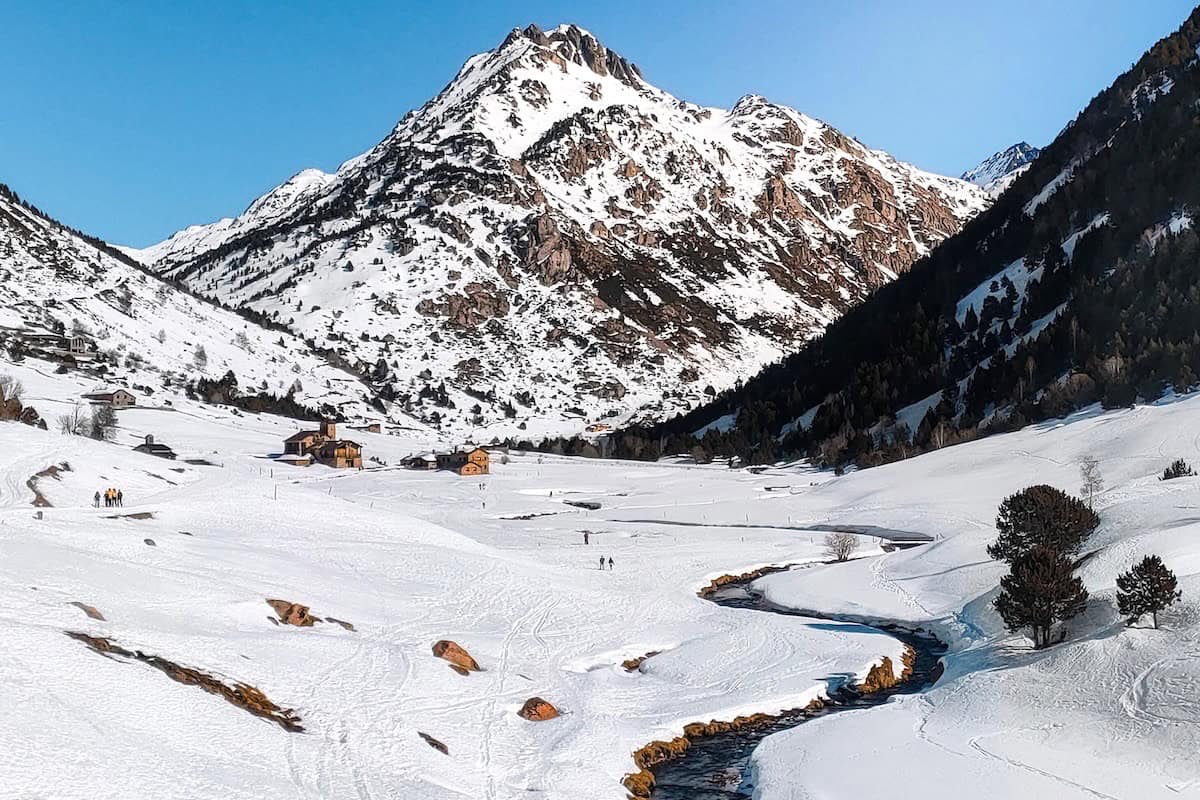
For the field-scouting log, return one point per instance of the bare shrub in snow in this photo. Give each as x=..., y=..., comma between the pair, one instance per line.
x=11, y=389
x=75, y=422
x=103, y=423
x=840, y=546
x=1093, y=481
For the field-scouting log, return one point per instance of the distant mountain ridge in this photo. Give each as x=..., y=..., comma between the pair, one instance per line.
x=140, y=331
x=551, y=237
x=1077, y=286
x=997, y=172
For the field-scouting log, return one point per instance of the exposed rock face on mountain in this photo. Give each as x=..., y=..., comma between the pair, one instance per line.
x=997, y=172
x=553, y=237
x=1078, y=285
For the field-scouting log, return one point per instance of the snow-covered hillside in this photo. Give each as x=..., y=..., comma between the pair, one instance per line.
x=140, y=332
x=499, y=565
x=1111, y=713
x=554, y=238
x=997, y=172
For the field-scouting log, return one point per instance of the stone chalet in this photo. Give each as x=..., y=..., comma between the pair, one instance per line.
x=323, y=447
x=117, y=398
x=476, y=461
x=151, y=447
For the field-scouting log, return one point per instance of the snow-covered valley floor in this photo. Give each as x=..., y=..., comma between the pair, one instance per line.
x=498, y=565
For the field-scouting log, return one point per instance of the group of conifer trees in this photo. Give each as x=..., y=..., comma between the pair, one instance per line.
x=1041, y=531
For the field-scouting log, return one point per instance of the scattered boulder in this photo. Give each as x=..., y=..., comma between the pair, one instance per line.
x=150, y=542
x=635, y=664
x=537, y=710
x=456, y=655
x=347, y=625
x=434, y=743
x=89, y=610
x=882, y=676
x=292, y=613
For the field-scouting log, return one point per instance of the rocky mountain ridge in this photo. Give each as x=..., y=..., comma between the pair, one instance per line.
x=997, y=172
x=551, y=237
x=138, y=331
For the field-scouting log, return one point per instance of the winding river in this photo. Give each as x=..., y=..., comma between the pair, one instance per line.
x=717, y=767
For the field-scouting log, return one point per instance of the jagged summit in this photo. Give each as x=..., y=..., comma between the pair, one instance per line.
x=1000, y=169
x=552, y=237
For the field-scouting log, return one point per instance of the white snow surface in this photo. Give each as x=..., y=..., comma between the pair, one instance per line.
x=1111, y=713
x=498, y=565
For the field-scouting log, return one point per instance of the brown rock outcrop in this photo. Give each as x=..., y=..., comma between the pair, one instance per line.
x=292, y=613
x=89, y=610
x=882, y=676
x=242, y=695
x=537, y=710
x=456, y=655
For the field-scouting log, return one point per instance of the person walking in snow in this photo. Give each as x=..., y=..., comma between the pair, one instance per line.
x=601, y=563
x=585, y=537
x=96, y=499
x=120, y=499
x=610, y=564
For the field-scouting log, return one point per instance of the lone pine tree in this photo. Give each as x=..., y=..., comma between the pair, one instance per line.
x=1040, y=591
x=1041, y=515
x=1147, y=588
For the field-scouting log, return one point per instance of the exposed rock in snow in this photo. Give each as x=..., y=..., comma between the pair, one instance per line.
x=552, y=237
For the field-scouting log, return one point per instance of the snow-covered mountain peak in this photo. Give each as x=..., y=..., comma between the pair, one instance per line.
x=551, y=234
x=997, y=171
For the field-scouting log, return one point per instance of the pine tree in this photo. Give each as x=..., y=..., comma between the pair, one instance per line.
x=1147, y=588
x=1041, y=515
x=1040, y=591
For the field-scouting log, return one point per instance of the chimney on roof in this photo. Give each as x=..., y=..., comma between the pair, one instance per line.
x=328, y=429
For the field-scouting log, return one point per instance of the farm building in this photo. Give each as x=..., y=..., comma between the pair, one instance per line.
x=476, y=461
x=323, y=446
x=117, y=398
x=151, y=447
x=420, y=461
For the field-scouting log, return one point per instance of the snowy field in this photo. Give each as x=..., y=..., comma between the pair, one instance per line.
x=498, y=565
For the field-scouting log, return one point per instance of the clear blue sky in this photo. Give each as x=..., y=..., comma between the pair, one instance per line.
x=130, y=120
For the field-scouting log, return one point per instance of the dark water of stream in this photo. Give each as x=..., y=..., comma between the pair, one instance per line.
x=717, y=767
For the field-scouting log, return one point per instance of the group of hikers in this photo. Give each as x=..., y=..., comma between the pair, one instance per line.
x=112, y=498
x=587, y=539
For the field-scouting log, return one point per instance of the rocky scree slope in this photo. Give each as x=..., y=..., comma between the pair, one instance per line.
x=552, y=237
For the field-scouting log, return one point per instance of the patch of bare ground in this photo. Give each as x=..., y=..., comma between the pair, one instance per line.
x=135, y=515
x=724, y=580
x=52, y=471
x=241, y=695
